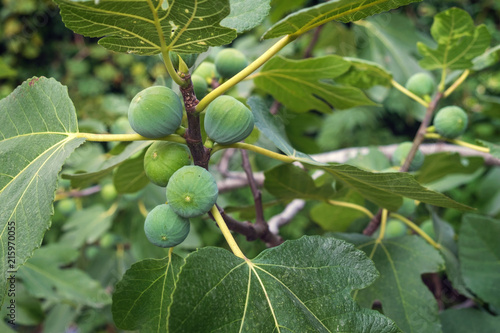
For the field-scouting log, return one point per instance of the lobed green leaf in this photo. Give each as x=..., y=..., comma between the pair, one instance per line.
x=246, y=14
x=278, y=291
x=405, y=298
x=459, y=41
x=149, y=26
x=37, y=133
x=339, y=10
x=297, y=84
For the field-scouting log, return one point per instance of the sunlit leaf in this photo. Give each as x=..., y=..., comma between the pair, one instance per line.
x=459, y=41
x=143, y=27
x=339, y=10
x=277, y=291
x=488, y=59
x=37, y=133
x=246, y=14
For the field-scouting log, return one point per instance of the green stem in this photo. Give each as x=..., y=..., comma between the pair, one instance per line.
x=256, y=149
x=226, y=233
x=126, y=137
x=457, y=83
x=457, y=142
x=417, y=229
x=244, y=73
x=383, y=224
x=409, y=93
x=351, y=205
x=163, y=46
x=443, y=80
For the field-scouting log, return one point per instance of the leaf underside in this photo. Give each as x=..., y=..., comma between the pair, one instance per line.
x=298, y=85
x=37, y=126
x=146, y=27
x=338, y=10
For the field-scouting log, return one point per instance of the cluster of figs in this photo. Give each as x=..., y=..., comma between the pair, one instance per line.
x=449, y=122
x=157, y=112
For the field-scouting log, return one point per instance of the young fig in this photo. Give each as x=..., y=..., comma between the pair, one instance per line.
x=192, y=191
x=155, y=112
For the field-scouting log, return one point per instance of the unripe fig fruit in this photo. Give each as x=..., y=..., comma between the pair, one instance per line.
x=230, y=62
x=200, y=86
x=121, y=126
x=162, y=159
x=421, y=84
x=207, y=71
x=189, y=59
x=428, y=227
x=191, y=191
x=108, y=192
x=408, y=207
x=164, y=228
x=399, y=156
x=155, y=112
x=227, y=120
x=66, y=206
x=451, y=122
x=395, y=228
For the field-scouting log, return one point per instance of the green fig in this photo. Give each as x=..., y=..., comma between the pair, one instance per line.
x=155, y=112
x=192, y=191
x=164, y=158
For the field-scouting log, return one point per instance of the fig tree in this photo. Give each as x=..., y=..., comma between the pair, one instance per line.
x=163, y=158
x=189, y=59
x=229, y=62
x=451, y=122
x=421, y=84
x=399, y=156
x=164, y=228
x=155, y=112
x=191, y=191
x=227, y=120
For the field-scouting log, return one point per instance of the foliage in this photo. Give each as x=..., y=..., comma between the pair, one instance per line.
x=407, y=254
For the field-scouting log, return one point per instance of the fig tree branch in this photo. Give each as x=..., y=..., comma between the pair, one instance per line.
x=257, y=196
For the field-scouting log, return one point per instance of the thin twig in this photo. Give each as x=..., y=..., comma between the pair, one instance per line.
x=223, y=165
x=78, y=193
x=275, y=107
x=286, y=215
x=312, y=43
x=257, y=195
